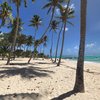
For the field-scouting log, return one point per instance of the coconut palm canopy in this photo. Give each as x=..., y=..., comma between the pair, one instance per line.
x=5, y=13
x=36, y=8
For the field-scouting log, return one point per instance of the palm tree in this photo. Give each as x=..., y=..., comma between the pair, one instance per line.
x=5, y=13
x=21, y=40
x=17, y=3
x=66, y=13
x=4, y=44
x=13, y=26
x=51, y=5
x=35, y=22
x=58, y=42
x=40, y=41
x=54, y=27
x=29, y=41
x=79, y=84
x=44, y=46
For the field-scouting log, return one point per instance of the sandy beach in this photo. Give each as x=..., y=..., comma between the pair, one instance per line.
x=42, y=80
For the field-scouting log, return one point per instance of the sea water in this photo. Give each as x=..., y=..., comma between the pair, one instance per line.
x=87, y=58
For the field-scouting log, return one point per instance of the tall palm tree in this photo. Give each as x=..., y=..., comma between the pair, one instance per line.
x=17, y=3
x=79, y=84
x=51, y=5
x=53, y=27
x=35, y=22
x=66, y=13
x=58, y=42
x=12, y=34
x=5, y=13
x=69, y=16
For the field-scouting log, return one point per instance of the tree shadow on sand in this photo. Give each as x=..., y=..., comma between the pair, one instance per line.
x=65, y=95
x=25, y=72
x=21, y=96
x=43, y=63
x=21, y=64
x=87, y=71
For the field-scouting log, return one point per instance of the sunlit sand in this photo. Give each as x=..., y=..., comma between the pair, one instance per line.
x=42, y=80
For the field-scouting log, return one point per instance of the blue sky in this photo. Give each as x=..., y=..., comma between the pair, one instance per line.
x=72, y=35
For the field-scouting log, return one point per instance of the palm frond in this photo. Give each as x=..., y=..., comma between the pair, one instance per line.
x=47, y=5
x=70, y=23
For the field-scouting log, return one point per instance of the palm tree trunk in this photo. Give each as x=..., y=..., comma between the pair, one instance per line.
x=51, y=47
x=43, y=53
x=30, y=58
x=58, y=42
x=15, y=37
x=32, y=54
x=49, y=23
x=79, y=84
x=63, y=38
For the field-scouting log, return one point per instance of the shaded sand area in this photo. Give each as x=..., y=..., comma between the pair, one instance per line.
x=42, y=80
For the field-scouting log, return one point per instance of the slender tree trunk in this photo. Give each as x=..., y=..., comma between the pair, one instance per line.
x=15, y=37
x=43, y=53
x=49, y=23
x=30, y=58
x=14, y=55
x=63, y=38
x=58, y=42
x=51, y=47
x=32, y=54
x=3, y=57
x=79, y=84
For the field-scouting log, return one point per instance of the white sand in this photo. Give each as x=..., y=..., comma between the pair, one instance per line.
x=42, y=80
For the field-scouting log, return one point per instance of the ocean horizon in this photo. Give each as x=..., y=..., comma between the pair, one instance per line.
x=87, y=58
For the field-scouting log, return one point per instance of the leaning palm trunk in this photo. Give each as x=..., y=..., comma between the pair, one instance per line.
x=30, y=58
x=63, y=38
x=51, y=48
x=43, y=53
x=58, y=42
x=32, y=54
x=15, y=37
x=49, y=23
x=79, y=84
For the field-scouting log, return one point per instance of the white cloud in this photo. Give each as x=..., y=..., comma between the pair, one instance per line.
x=65, y=6
x=72, y=6
x=91, y=45
x=57, y=11
x=66, y=29
x=76, y=47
